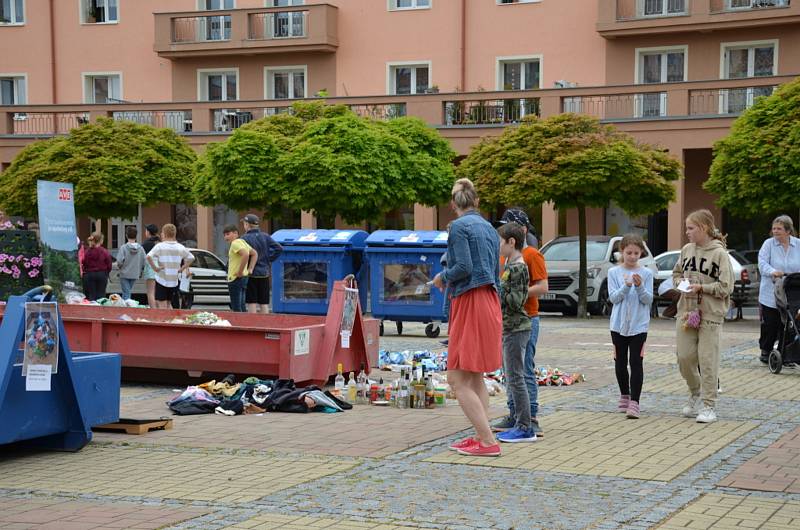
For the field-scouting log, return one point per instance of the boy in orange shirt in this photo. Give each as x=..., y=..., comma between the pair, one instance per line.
x=537, y=286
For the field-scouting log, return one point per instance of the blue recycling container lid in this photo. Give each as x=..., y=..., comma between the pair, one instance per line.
x=294, y=237
x=407, y=238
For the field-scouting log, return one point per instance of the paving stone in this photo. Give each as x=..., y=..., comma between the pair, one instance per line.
x=733, y=511
x=739, y=383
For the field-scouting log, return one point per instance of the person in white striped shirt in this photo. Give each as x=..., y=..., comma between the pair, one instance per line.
x=168, y=259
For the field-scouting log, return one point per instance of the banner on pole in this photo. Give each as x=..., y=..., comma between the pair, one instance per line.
x=59, y=237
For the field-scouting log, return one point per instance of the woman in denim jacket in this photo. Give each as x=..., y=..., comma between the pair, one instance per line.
x=476, y=323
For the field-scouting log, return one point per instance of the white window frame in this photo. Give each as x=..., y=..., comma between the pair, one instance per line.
x=640, y=5
x=82, y=4
x=17, y=77
x=85, y=78
x=202, y=87
x=201, y=6
x=392, y=6
x=639, y=53
x=515, y=2
x=390, y=74
x=14, y=9
x=270, y=22
x=268, y=88
x=724, y=47
x=498, y=69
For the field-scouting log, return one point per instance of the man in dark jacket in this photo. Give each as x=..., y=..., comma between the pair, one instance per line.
x=257, y=295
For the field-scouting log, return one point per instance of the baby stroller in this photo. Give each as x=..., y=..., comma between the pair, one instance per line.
x=787, y=298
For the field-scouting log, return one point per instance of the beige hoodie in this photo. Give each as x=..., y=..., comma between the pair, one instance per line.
x=712, y=266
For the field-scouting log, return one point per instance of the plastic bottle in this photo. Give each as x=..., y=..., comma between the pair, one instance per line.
x=430, y=397
x=338, y=384
x=403, y=393
x=388, y=395
x=374, y=391
x=352, y=389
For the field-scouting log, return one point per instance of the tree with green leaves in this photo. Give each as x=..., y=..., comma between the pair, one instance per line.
x=575, y=162
x=327, y=160
x=113, y=165
x=756, y=168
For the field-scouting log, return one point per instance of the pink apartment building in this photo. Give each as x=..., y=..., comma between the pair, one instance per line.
x=670, y=72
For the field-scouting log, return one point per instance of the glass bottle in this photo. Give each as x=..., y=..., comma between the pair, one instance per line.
x=363, y=386
x=352, y=389
x=338, y=384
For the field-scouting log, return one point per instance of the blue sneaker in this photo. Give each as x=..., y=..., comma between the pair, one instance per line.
x=516, y=435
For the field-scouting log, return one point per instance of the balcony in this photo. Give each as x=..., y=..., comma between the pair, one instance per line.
x=462, y=117
x=306, y=28
x=625, y=18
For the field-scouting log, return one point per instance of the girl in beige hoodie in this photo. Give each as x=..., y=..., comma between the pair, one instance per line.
x=705, y=263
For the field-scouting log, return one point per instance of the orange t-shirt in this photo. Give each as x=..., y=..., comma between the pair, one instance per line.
x=537, y=271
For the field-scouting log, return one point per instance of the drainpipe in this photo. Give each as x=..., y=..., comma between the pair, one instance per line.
x=463, y=82
x=53, y=52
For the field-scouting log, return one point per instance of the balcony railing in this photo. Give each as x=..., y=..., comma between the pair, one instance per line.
x=720, y=98
x=731, y=101
x=311, y=27
x=489, y=111
x=46, y=123
x=620, y=18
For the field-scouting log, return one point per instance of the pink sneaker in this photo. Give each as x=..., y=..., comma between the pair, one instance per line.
x=461, y=444
x=624, y=401
x=477, y=449
x=633, y=410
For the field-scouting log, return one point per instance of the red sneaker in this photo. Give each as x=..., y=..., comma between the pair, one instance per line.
x=461, y=444
x=477, y=449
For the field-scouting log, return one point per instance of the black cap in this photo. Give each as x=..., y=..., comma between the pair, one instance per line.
x=514, y=215
x=153, y=229
x=250, y=219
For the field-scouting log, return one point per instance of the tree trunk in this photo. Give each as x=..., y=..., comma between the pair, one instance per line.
x=582, y=280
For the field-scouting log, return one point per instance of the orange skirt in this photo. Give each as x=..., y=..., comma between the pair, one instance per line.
x=476, y=331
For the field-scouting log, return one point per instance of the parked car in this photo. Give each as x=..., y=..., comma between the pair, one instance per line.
x=561, y=256
x=745, y=292
x=209, y=283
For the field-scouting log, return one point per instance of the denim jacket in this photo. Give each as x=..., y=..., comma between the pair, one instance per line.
x=473, y=253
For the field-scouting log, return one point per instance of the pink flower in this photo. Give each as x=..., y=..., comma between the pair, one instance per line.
x=33, y=274
x=15, y=275
x=3, y=257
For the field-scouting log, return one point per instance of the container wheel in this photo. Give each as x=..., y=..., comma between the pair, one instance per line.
x=381, y=330
x=399, y=324
x=431, y=331
x=775, y=362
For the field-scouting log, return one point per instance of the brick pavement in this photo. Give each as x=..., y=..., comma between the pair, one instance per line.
x=736, y=512
x=775, y=469
x=381, y=468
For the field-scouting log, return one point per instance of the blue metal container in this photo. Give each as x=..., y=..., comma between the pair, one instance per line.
x=303, y=275
x=402, y=264
x=83, y=393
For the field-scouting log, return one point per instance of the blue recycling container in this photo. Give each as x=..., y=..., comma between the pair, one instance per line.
x=303, y=275
x=402, y=264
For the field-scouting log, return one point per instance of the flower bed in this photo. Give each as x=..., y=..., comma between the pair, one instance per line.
x=20, y=261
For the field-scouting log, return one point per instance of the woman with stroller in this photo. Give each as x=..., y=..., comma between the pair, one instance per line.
x=779, y=256
x=703, y=275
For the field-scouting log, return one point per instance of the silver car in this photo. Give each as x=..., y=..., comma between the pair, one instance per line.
x=745, y=291
x=561, y=256
x=209, y=282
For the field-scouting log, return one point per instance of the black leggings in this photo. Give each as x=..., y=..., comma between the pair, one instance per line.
x=94, y=284
x=629, y=385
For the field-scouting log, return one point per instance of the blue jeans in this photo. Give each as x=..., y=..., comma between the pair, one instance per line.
x=530, y=377
x=127, y=286
x=237, y=289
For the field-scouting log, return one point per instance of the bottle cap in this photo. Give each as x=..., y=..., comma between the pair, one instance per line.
x=339, y=367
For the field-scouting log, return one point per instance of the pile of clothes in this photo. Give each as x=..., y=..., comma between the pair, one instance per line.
x=254, y=396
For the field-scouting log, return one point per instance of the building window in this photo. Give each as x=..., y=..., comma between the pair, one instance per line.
x=102, y=88
x=12, y=90
x=214, y=5
x=661, y=8
x=12, y=12
x=99, y=11
x=289, y=82
x=519, y=74
x=409, y=78
x=286, y=25
x=518, y=1
x=396, y=5
x=655, y=66
x=211, y=28
x=754, y=4
x=746, y=59
x=218, y=85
